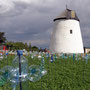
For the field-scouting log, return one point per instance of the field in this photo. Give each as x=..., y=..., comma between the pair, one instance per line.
x=62, y=74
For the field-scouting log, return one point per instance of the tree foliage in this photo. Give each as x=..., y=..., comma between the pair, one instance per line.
x=16, y=45
x=34, y=48
x=20, y=46
x=2, y=37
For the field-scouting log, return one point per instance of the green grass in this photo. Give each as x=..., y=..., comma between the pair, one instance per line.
x=62, y=74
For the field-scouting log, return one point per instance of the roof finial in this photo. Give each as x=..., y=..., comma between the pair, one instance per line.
x=66, y=6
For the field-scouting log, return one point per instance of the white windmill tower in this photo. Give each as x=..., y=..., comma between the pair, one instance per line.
x=66, y=36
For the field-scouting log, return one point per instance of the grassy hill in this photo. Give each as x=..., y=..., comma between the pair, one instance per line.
x=62, y=74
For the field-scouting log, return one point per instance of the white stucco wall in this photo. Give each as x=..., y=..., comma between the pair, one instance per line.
x=64, y=42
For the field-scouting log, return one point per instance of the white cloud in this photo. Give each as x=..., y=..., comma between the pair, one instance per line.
x=25, y=1
x=5, y=6
x=10, y=5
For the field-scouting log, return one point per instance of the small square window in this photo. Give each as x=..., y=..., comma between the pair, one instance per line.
x=71, y=32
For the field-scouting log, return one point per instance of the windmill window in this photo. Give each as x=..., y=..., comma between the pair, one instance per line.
x=71, y=31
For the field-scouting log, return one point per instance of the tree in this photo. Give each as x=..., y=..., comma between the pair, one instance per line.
x=20, y=46
x=30, y=46
x=26, y=46
x=34, y=48
x=2, y=38
x=9, y=45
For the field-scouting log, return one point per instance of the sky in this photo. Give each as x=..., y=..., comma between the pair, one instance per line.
x=31, y=21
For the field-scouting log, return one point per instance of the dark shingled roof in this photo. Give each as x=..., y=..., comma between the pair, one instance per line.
x=67, y=14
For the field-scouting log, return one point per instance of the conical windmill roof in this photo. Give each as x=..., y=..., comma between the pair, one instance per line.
x=67, y=14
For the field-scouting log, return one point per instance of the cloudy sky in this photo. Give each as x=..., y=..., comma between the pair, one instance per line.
x=32, y=20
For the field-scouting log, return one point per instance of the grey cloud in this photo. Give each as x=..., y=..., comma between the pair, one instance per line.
x=34, y=22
